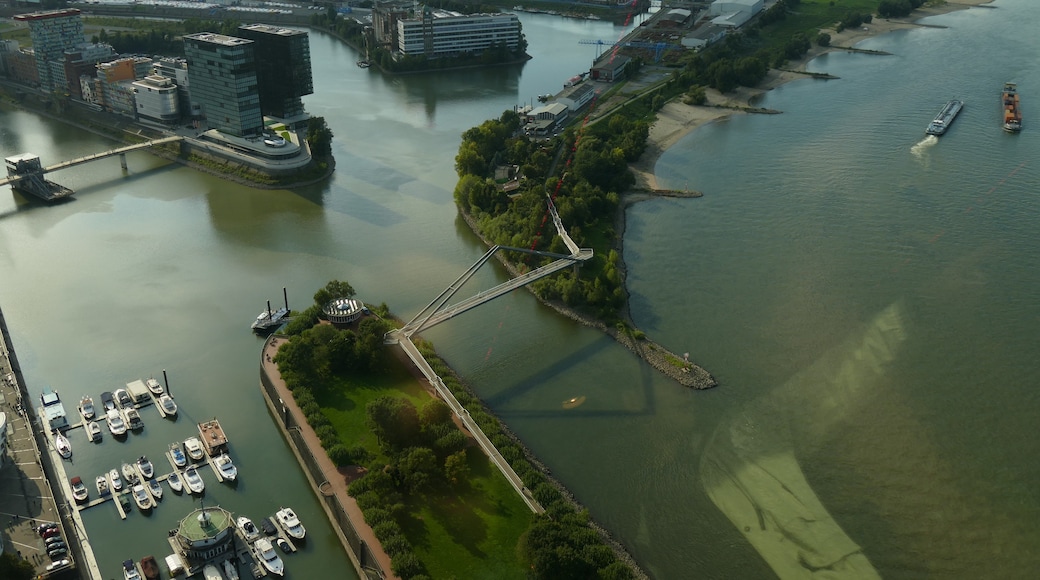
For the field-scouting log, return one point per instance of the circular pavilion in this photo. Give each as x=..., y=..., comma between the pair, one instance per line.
x=205, y=534
x=344, y=310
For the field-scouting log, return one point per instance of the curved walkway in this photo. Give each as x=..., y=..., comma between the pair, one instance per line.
x=337, y=479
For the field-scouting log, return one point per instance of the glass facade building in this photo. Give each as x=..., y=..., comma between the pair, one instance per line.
x=440, y=33
x=223, y=79
x=283, y=68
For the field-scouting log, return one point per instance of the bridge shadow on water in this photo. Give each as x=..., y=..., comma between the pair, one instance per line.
x=546, y=374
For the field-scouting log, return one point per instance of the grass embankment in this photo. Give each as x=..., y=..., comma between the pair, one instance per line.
x=468, y=531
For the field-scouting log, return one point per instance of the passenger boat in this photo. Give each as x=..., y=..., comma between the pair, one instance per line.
x=268, y=557
x=93, y=431
x=942, y=121
x=227, y=469
x=102, y=485
x=146, y=467
x=116, y=424
x=193, y=480
x=130, y=571
x=168, y=404
x=211, y=572
x=175, y=482
x=155, y=489
x=155, y=387
x=290, y=523
x=150, y=568
x=86, y=407
x=177, y=455
x=133, y=418
x=129, y=473
x=269, y=320
x=79, y=491
x=62, y=445
x=193, y=447
x=108, y=401
x=1012, y=112
x=230, y=571
x=117, y=483
x=249, y=529
x=141, y=497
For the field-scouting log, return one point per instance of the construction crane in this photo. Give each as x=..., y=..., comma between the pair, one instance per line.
x=658, y=48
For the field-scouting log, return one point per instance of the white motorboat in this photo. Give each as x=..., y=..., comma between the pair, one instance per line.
x=193, y=480
x=101, y=482
x=290, y=523
x=284, y=545
x=155, y=489
x=133, y=418
x=175, y=482
x=177, y=455
x=62, y=445
x=116, y=424
x=79, y=491
x=86, y=407
x=168, y=404
x=117, y=483
x=93, y=431
x=130, y=571
x=268, y=557
x=155, y=387
x=227, y=469
x=193, y=447
x=211, y=572
x=141, y=497
x=129, y=473
x=230, y=571
x=146, y=467
x=249, y=529
x=123, y=398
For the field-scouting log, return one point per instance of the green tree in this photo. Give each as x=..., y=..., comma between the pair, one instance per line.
x=394, y=421
x=823, y=39
x=13, y=567
x=319, y=137
x=334, y=290
x=417, y=469
x=456, y=468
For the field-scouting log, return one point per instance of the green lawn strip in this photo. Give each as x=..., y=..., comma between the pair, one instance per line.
x=470, y=532
x=812, y=15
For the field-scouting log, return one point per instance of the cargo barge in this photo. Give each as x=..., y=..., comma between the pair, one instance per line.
x=1012, y=114
x=942, y=121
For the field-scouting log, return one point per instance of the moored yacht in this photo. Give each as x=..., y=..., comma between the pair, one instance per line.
x=108, y=402
x=93, y=431
x=211, y=572
x=227, y=469
x=268, y=557
x=249, y=530
x=79, y=491
x=133, y=418
x=141, y=498
x=117, y=483
x=146, y=467
x=116, y=424
x=193, y=447
x=129, y=473
x=86, y=407
x=168, y=404
x=193, y=480
x=102, y=485
x=155, y=489
x=62, y=445
x=179, y=459
x=230, y=571
x=175, y=482
x=155, y=387
x=290, y=523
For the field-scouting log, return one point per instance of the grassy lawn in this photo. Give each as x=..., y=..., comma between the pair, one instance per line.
x=812, y=15
x=466, y=533
x=470, y=534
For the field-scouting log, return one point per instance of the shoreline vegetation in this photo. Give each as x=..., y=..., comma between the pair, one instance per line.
x=671, y=122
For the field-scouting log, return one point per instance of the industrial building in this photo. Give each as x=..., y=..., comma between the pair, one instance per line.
x=222, y=72
x=733, y=13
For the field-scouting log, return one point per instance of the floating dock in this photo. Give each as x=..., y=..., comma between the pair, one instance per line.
x=213, y=439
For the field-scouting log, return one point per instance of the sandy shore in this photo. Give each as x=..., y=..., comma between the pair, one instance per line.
x=676, y=119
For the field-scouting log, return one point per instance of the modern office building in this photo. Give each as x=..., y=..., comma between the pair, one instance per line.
x=283, y=68
x=52, y=33
x=222, y=73
x=156, y=100
x=443, y=33
x=176, y=69
x=82, y=60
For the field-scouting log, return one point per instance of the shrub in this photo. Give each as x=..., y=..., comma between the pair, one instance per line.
x=317, y=419
x=407, y=565
x=309, y=408
x=328, y=435
x=339, y=455
x=386, y=529
x=823, y=39
x=376, y=516
x=395, y=545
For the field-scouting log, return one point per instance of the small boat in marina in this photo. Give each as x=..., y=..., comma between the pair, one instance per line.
x=284, y=545
x=150, y=568
x=123, y=398
x=79, y=491
x=141, y=498
x=116, y=424
x=146, y=467
x=268, y=557
x=290, y=523
x=269, y=527
x=211, y=572
x=117, y=483
x=129, y=473
x=108, y=402
x=130, y=571
x=227, y=469
x=86, y=407
x=155, y=387
x=193, y=447
x=230, y=571
x=168, y=404
x=179, y=459
x=93, y=431
x=249, y=529
x=155, y=489
x=175, y=482
x=102, y=485
x=62, y=445
x=133, y=418
x=193, y=480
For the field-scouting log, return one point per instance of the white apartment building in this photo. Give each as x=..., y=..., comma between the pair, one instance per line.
x=439, y=33
x=156, y=100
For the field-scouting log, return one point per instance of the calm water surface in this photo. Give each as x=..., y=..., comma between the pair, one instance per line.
x=820, y=220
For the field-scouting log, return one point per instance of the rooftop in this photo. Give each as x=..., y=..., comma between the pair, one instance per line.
x=205, y=523
x=214, y=38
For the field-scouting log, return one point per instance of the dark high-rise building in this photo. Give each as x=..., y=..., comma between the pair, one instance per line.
x=283, y=68
x=222, y=75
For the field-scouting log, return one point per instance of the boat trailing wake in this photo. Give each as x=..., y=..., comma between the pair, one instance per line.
x=923, y=145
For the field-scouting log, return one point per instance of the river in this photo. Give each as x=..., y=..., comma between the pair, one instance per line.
x=817, y=226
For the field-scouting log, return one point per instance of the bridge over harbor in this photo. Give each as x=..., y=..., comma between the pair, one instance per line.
x=25, y=173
